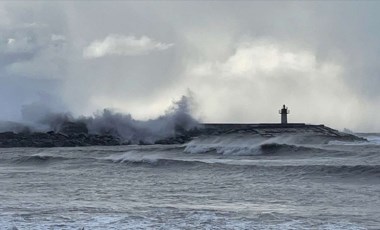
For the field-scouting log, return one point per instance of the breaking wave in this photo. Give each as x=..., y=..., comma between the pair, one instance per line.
x=134, y=157
x=241, y=145
x=246, y=164
x=373, y=139
x=177, y=159
x=161, y=161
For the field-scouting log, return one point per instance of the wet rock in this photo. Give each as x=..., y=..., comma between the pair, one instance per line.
x=51, y=139
x=76, y=134
x=69, y=128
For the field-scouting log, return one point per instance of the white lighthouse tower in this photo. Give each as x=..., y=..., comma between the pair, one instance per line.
x=284, y=115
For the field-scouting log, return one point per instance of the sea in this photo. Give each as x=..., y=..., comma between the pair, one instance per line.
x=220, y=182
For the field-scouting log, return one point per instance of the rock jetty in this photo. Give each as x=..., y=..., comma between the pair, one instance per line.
x=76, y=134
x=310, y=133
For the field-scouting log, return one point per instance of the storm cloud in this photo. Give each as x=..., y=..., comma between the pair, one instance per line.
x=241, y=60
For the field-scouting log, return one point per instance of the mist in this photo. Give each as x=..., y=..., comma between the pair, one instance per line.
x=241, y=61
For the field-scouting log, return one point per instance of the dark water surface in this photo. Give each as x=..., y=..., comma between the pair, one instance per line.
x=226, y=183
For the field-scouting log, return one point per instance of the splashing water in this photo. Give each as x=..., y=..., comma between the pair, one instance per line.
x=175, y=120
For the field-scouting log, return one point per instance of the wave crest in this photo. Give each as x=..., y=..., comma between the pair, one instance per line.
x=133, y=157
x=249, y=145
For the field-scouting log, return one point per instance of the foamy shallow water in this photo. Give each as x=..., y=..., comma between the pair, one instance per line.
x=166, y=187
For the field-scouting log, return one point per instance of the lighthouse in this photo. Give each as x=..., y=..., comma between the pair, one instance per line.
x=284, y=115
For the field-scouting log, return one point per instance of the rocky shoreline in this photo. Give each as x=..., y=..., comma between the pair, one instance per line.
x=76, y=134
x=51, y=139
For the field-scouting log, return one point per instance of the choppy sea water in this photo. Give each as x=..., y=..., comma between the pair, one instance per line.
x=217, y=183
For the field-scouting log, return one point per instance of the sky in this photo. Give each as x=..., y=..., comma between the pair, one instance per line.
x=240, y=61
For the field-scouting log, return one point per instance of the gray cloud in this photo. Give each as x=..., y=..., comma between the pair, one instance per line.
x=320, y=58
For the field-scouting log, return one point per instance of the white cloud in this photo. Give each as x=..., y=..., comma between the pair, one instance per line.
x=266, y=58
x=260, y=58
x=124, y=46
x=267, y=74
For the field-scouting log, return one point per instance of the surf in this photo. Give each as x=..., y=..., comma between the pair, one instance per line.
x=241, y=145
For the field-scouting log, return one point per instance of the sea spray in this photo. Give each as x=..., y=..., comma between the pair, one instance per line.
x=176, y=120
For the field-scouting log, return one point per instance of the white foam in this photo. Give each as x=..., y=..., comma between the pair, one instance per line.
x=372, y=140
x=134, y=156
x=235, y=144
